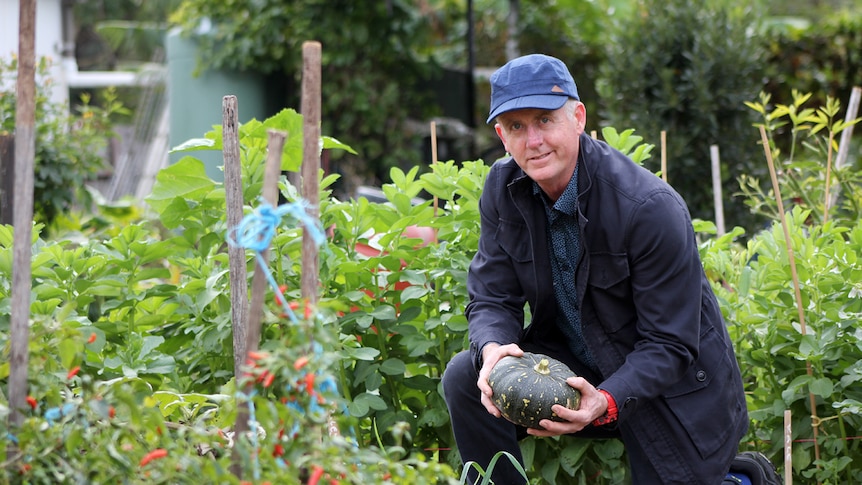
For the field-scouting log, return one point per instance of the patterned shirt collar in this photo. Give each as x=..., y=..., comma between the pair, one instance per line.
x=568, y=201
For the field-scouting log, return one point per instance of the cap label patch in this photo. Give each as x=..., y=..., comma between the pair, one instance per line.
x=557, y=89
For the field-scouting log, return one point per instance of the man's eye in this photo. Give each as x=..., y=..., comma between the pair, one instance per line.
x=546, y=119
x=516, y=126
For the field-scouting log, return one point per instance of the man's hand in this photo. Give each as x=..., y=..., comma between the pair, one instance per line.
x=491, y=354
x=593, y=404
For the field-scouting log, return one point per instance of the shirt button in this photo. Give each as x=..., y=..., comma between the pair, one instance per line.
x=700, y=376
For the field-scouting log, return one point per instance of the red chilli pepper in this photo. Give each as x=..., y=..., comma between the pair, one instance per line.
x=154, y=455
x=32, y=402
x=309, y=383
x=277, y=450
x=315, y=475
x=300, y=362
x=92, y=338
x=72, y=373
x=256, y=355
x=267, y=381
x=112, y=412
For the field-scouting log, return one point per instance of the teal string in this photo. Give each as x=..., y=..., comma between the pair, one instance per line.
x=257, y=229
x=252, y=426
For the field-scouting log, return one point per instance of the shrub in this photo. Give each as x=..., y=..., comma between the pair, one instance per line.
x=686, y=69
x=70, y=148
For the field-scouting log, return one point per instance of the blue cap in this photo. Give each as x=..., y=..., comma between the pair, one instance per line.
x=532, y=81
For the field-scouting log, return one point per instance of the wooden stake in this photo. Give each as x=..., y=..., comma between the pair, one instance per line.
x=25, y=152
x=434, y=158
x=852, y=111
x=664, y=155
x=236, y=255
x=788, y=448
x=311, y=53
x=795, y=276
x=272, y=172
x=716, y=190
x=236, y=258
x=846, y=135
x=826, y=198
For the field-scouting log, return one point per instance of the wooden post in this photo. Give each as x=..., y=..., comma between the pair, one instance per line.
x=852, y=111
x=844, y=143
x=434, y=159
x=311, y=52
x=7, y=178
x=664, y=155
x=788, y=448
x=25, y=152
x=716, y=190
x=272, y=171
x=236, y=255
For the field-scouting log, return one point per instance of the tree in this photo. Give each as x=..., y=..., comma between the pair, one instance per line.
x=371, y=68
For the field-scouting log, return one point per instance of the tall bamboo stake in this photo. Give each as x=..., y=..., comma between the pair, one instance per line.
x=311, y=53
x=25, y=151
x=846, y=135
x=716, y=189
x=664, y=155
x=826, y=198
x=795, y=276
x=852, y=111
x=434, y=158
x=788, y=448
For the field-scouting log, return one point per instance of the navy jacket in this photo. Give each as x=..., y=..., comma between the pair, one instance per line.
x=648, y=312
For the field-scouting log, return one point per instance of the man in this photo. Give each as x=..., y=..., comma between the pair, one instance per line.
x=604, y=254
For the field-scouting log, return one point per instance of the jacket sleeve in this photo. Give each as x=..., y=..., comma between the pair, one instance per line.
x=496, y=309
x=666, y=279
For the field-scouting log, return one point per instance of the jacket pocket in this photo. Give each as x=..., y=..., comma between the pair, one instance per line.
x=609, y=289
x=514, y=238
x=706, y=401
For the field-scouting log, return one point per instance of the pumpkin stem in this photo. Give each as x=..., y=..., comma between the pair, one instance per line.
x=542, y=367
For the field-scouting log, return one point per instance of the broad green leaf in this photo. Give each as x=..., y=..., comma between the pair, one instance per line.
x=187, y=179
x=362, y=353
x=393, y=367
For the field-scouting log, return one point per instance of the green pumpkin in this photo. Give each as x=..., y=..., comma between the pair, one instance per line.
x=526, y=387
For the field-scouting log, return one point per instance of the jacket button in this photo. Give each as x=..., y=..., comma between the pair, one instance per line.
x=700, y=376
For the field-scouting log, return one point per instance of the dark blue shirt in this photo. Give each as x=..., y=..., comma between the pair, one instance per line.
x=564, y=245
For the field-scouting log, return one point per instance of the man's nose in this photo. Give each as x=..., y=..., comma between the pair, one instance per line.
x=534, y=136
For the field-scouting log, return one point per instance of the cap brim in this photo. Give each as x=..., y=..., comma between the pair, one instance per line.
x=535, y=101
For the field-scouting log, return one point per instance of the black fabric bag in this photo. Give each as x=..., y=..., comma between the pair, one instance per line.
x=754, y=468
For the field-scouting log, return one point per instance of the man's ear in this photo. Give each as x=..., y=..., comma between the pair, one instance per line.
x=581, y=115
x=499, y=130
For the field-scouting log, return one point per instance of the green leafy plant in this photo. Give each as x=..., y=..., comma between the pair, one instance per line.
x=69, y=146
x=798, y=353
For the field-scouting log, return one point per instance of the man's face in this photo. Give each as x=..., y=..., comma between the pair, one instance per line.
x=544, y=143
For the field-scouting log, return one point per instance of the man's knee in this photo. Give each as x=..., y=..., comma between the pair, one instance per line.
x=460, y=375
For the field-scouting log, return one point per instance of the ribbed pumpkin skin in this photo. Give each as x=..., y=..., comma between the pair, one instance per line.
x=526, y=387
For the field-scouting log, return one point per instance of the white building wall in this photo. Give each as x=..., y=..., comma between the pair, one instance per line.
x=49, y=39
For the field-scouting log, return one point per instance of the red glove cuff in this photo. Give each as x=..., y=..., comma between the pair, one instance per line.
x=611, y=414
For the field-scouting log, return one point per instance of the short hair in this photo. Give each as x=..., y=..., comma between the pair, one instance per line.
x=570, y=106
